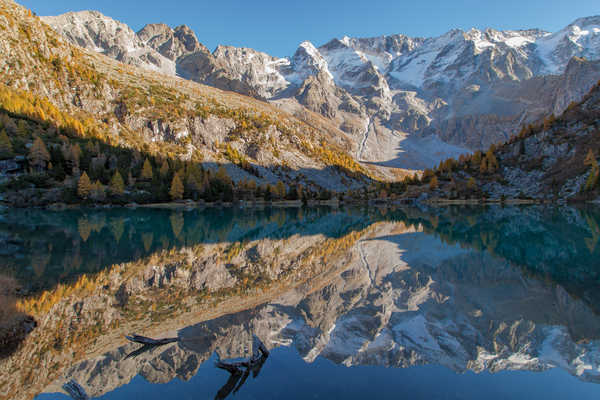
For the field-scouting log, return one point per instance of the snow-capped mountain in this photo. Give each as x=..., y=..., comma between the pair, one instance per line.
x=409, y=102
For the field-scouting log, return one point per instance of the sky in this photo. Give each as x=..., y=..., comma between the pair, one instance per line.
x=277, y=27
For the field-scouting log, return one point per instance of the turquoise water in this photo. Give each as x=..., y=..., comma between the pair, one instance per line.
x=424, y=303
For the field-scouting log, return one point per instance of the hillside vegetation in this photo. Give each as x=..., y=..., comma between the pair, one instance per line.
x=67, y=113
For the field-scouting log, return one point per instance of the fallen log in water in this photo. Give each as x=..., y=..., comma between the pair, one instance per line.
x=149, y=341
x=240, y=370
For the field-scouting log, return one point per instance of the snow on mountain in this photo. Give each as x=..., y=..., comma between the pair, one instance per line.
x=580, y=38
x=469, y=88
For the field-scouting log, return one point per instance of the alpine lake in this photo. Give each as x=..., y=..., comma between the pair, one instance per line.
x=459, y=302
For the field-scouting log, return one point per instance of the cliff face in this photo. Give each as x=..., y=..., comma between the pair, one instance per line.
x=459, y=92
x=555, y=159
x=136, y=108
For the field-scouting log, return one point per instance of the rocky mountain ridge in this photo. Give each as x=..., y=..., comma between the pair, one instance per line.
x=51, y=85
x=406, y=102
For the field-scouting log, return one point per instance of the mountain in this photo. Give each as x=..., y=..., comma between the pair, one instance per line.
x=406, y=102
x=556, y=158
x=96, y=115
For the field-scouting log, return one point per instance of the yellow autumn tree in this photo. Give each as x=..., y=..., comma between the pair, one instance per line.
x=146, y=170
x=176, y=191
x=84, y=186
x=38, y=155
x=6, y=149
x=433, y=183
x=117, y=186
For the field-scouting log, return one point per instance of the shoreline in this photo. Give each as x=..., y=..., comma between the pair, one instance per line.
x=335, y=203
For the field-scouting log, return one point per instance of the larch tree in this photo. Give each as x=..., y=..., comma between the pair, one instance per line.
x=38, y=155
x=176, y=191
x=6, y=149
x=164, y=169
x=433, y=183
x=22, y=128
x=280, y=189
x=117, y=186
x=84, y=186
x=146, y=171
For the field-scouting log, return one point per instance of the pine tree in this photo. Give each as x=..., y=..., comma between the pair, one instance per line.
x=146, y=171
x=38, y=154
x=117, y=186
x=6, y=149
x=176, y=191
x=84, y=186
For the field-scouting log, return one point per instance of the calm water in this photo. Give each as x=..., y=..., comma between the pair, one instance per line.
x=440, y=303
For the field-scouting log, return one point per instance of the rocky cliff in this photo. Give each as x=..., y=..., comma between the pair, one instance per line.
x=406, y=102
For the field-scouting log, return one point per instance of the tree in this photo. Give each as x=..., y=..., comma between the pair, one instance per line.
x=592, y=179
x=38, y=154
x=433, y=183
x=22, y=128
x=492, y=162
x=117, y=186
x=476, y=159
x=483, y=168
x=176, y=191
x=84, y=186
x=280, y=190
x=222, y=175
x=471, y=183
x=97, y=192
x=147, y=171
x=164, y=169
x=6, y=149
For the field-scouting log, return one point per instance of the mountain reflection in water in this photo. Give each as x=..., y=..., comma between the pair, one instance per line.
x=462, y=288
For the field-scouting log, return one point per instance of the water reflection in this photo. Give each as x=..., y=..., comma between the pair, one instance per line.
x=470, y=289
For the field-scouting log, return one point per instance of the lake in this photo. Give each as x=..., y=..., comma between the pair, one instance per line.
x=459, y=302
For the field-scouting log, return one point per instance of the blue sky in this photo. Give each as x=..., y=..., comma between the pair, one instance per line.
x=277, y=27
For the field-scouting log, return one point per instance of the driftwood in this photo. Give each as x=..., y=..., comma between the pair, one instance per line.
x=75, y=390
x=148, y=344
x=149, y=341
x=139, y=351
x=240, y=370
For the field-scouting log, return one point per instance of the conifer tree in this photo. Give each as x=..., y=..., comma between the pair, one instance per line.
x=280, y=190
x=164, y=169
x=433, y=183
x=84, y=186
x=22, y=128
x=176, y=191
x=97, y=191
x=146, y=171
x=483, y=168
x=592, y=179
x=117, y=186
x=6, y=149
x=38, y=154
x=471, y=183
